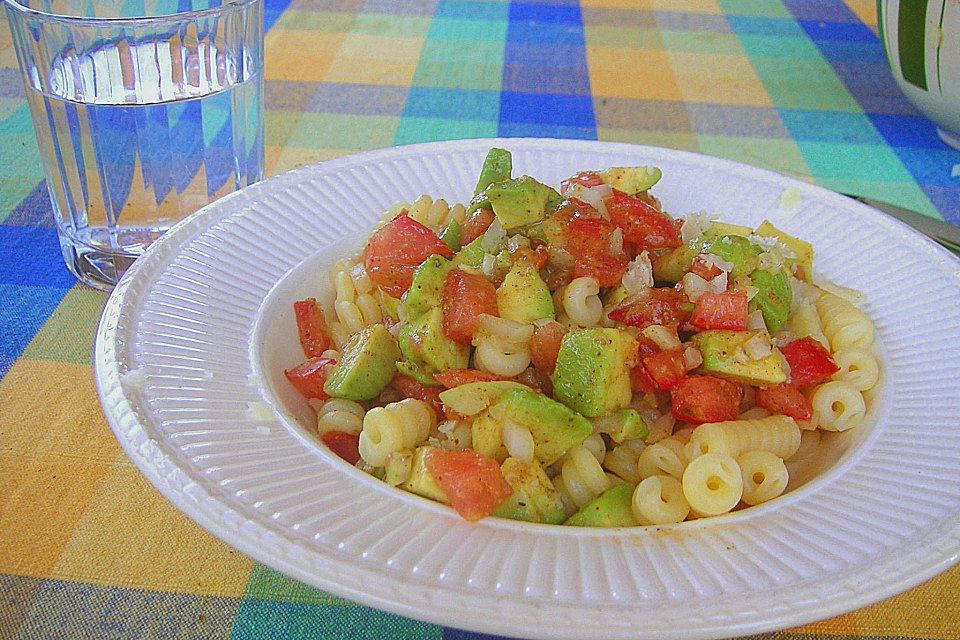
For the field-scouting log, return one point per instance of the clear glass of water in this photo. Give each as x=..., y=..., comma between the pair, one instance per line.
x=144, y=111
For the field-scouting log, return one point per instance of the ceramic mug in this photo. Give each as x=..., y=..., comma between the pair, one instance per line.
x=922, y=42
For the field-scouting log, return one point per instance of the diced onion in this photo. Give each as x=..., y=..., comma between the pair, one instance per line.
x=493, y=237
x=752, y=292
x=694, y=225
x=755, y=320
x=664, y=337
x=639, y=275
x=616, y=241
x=757, y=347
x=711, y=260
x=487, y=265
x=593, y=196
x=694, y=286
x=692, y=358
x=719, y=283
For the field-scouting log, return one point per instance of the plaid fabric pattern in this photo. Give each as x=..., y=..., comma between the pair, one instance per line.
x=89, y=549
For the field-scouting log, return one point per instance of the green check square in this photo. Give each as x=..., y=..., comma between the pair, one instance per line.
x=267, y=584
x=904, y=194
x=398, y=26
x=416, y=129
x=778, y=155
x=804, y=84
x=778, y=47
x=444, y=28
x=67, y=335
x=341, y=131
x=854, y=162
x=755, y=8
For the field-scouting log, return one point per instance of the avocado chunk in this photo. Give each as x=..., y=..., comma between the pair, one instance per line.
x=534, y=498
x=631, y=180
x=486, y=439
x=518, y=201
x=398, y=467
x=472, y=398
x=416, y=372
x=671, y=266
x=774, y=298
x=524, y=296
x=366, y=367
x=622, y=425
x=724, y=356
x=497, y=167
x=718, y=229
x=426, y=288
x=736, y=250
x=593, y=370
x=802, y=249
x=612, y=508
x=423, y=343
x=471, y=255
x=554, y=427
x=451, y=235
x=421, y=481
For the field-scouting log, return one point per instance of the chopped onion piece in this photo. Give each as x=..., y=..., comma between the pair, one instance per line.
x=752, y=292
x=664, y=337
x=616, y=241
x=755, y=320
x=757, y=347
x=487, y=265
x=711, y=260
x=719, y=283
x=694, y=286
x=639, y=275
x=493, y=237
x=692, y=358
x=593, y=196
x=694, y=225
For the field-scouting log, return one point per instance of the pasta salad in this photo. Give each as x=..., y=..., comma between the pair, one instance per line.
x=579, y=356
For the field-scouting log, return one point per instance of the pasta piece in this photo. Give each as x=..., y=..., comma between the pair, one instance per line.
x=857, y=367
x=753, y=413
x=804, y=321
x=837, y=406
x=595, y=445
x=712, y=484
x=355, y=305
x=339, y=414
x=517, y=440
x=339, y=335
x=764, y=476
x=581, y=301
x=779, y=435
x=622, y=460
x=659, y=500
x=809, y=441
x=666, y=457
x=457, y=433
x=435, y=213
x=396, y=427
x=843, y=324
x=502, y=346
x=581, y=477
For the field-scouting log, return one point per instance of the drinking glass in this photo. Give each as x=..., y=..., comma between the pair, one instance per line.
x=144, y=111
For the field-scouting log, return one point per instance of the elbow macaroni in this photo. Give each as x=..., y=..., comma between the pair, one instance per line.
x=502, y=346
x=777, y=434
x=837, y=406
x=659, y=500
x=764, y=476
x=581, y=301
x=581, y=477
x=396, y=427
x=712, y=484
x=843, y=324
x=355, y=304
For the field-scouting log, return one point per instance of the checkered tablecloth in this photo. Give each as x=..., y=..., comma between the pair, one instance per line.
x=89, y=549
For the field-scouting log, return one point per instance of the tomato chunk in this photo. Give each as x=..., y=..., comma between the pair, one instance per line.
x=346, y=445
x=584, y=178
x=476, y=225
x=465, y=296
x=545, y=346
x=787, y=400
x=666, y=368
x=810, y=362
x=727, y=310
x=455, y=377
x=642, y=223
x=699, y=399
x=309, y=377
x=657, y=306
x=413, y=389
x=473, y=483
x=396, y=249
x=312, y=327
x=704, y=270
x=589, y=241
x=640, y=380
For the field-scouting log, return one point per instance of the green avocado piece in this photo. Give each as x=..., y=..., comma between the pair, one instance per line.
x=734, y=249
x=774, y=298
x=534, y=498
x=426, y=288
x=554, y=427
x=485, y=438
x=472, y=398
x=593, y=370
x=416, y=372
x=524, y=296
x=423, y=343
x=631, y=180
x=723, y=357
x=390, y=304
x=366, y=367
x=470, y=255
x=718, y=229
x=629, y=426
x=671, y=266
x=497, y=167
x=801, y=248
x=451, y=235
x=612, y=508
x=518, y=201
x=421, y=481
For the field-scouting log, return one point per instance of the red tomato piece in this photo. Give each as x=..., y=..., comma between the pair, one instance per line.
x=666, y=368
x=473, y=483
x=545, y=346
x=810, y=362
x=476, y=225
x=465, y=296
x=662, y=305
x=588, y=240
x=310, y=376
x=414, y=389
x=700, y=399
x=640, y=380
x=642, y=223
x=727, y=310
x=787, y=400
x=704, y=270
x=396, y=249
x=312, y=327
x=585, y=178
x=455, y=377
x=346, y=445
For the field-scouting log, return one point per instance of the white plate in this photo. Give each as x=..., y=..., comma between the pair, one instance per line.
x=178, y=361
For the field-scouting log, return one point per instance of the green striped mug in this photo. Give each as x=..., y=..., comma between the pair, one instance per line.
x=922, y=42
